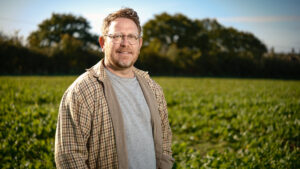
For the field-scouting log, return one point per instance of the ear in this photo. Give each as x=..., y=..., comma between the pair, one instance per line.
x=141, y=42
x=101, y=42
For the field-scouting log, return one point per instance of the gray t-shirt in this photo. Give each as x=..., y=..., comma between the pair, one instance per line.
x=137, y=122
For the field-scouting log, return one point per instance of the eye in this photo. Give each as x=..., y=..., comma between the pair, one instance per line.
x=117, y=36
x=131, y=36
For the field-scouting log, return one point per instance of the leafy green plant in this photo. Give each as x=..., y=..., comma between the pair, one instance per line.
x=216, y=123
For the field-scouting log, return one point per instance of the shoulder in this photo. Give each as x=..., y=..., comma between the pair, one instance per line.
x=155, y=87
x=88, y=81
x=82, y=89
x=81, y=84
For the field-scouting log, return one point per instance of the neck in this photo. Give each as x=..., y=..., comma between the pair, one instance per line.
x=127, y=73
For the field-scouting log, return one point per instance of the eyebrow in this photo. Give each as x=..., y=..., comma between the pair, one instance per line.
x=118, y=33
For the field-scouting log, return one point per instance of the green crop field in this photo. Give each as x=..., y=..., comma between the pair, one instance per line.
x=216, y=123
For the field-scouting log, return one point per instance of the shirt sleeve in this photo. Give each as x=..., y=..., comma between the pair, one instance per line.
x=167, y=160
x=72, y=132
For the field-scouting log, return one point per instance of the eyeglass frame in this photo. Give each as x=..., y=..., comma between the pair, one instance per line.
x=121, y=36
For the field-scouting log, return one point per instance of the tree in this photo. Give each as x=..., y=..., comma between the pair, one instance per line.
x=51, y=31
x=201, y=46
x=239, y=43
x=169, y=29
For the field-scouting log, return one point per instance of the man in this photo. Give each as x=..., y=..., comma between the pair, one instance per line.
x=114, y=115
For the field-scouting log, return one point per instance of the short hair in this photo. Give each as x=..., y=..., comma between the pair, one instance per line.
x=122, y=13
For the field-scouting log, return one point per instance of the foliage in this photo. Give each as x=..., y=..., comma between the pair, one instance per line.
x=28, y=120
x=66, y=58
x=206, y=36
x=230, y=123
x=205, y=47
x=61, y=45
x=173, y=45
x=51, y=31
x=216, y=123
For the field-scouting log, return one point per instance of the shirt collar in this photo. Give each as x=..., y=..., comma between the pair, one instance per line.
x=98, y=72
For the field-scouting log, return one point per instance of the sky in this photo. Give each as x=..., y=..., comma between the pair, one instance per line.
x=275, y=22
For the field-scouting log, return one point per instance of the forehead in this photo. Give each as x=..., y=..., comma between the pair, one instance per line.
x=122, y=25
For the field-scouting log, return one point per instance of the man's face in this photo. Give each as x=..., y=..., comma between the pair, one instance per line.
x=123, y=55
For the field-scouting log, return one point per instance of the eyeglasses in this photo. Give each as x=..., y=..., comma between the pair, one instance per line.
x=117, y=38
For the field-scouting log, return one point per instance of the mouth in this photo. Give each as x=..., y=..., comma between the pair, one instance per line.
x=124, y=52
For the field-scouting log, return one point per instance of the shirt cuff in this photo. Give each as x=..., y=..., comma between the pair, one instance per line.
x=166, y=162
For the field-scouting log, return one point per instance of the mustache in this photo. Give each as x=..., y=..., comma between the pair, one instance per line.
x=124, y=50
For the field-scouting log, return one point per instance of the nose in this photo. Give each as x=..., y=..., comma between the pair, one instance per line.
x=124, y=41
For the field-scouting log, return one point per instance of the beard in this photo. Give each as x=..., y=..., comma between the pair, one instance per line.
x=119, y=62
x=125, y=63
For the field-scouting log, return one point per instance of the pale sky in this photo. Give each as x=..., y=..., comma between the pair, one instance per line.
x=275, y=22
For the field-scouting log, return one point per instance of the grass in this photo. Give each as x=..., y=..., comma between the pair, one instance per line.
x=216, y=122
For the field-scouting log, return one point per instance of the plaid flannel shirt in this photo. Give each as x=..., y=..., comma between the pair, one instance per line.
x=90, y=131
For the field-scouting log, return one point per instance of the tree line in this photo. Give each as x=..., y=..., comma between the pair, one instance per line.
x=173, y=45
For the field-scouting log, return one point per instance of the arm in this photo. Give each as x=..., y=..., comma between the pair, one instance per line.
x=72, y=132
x=167, y=160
